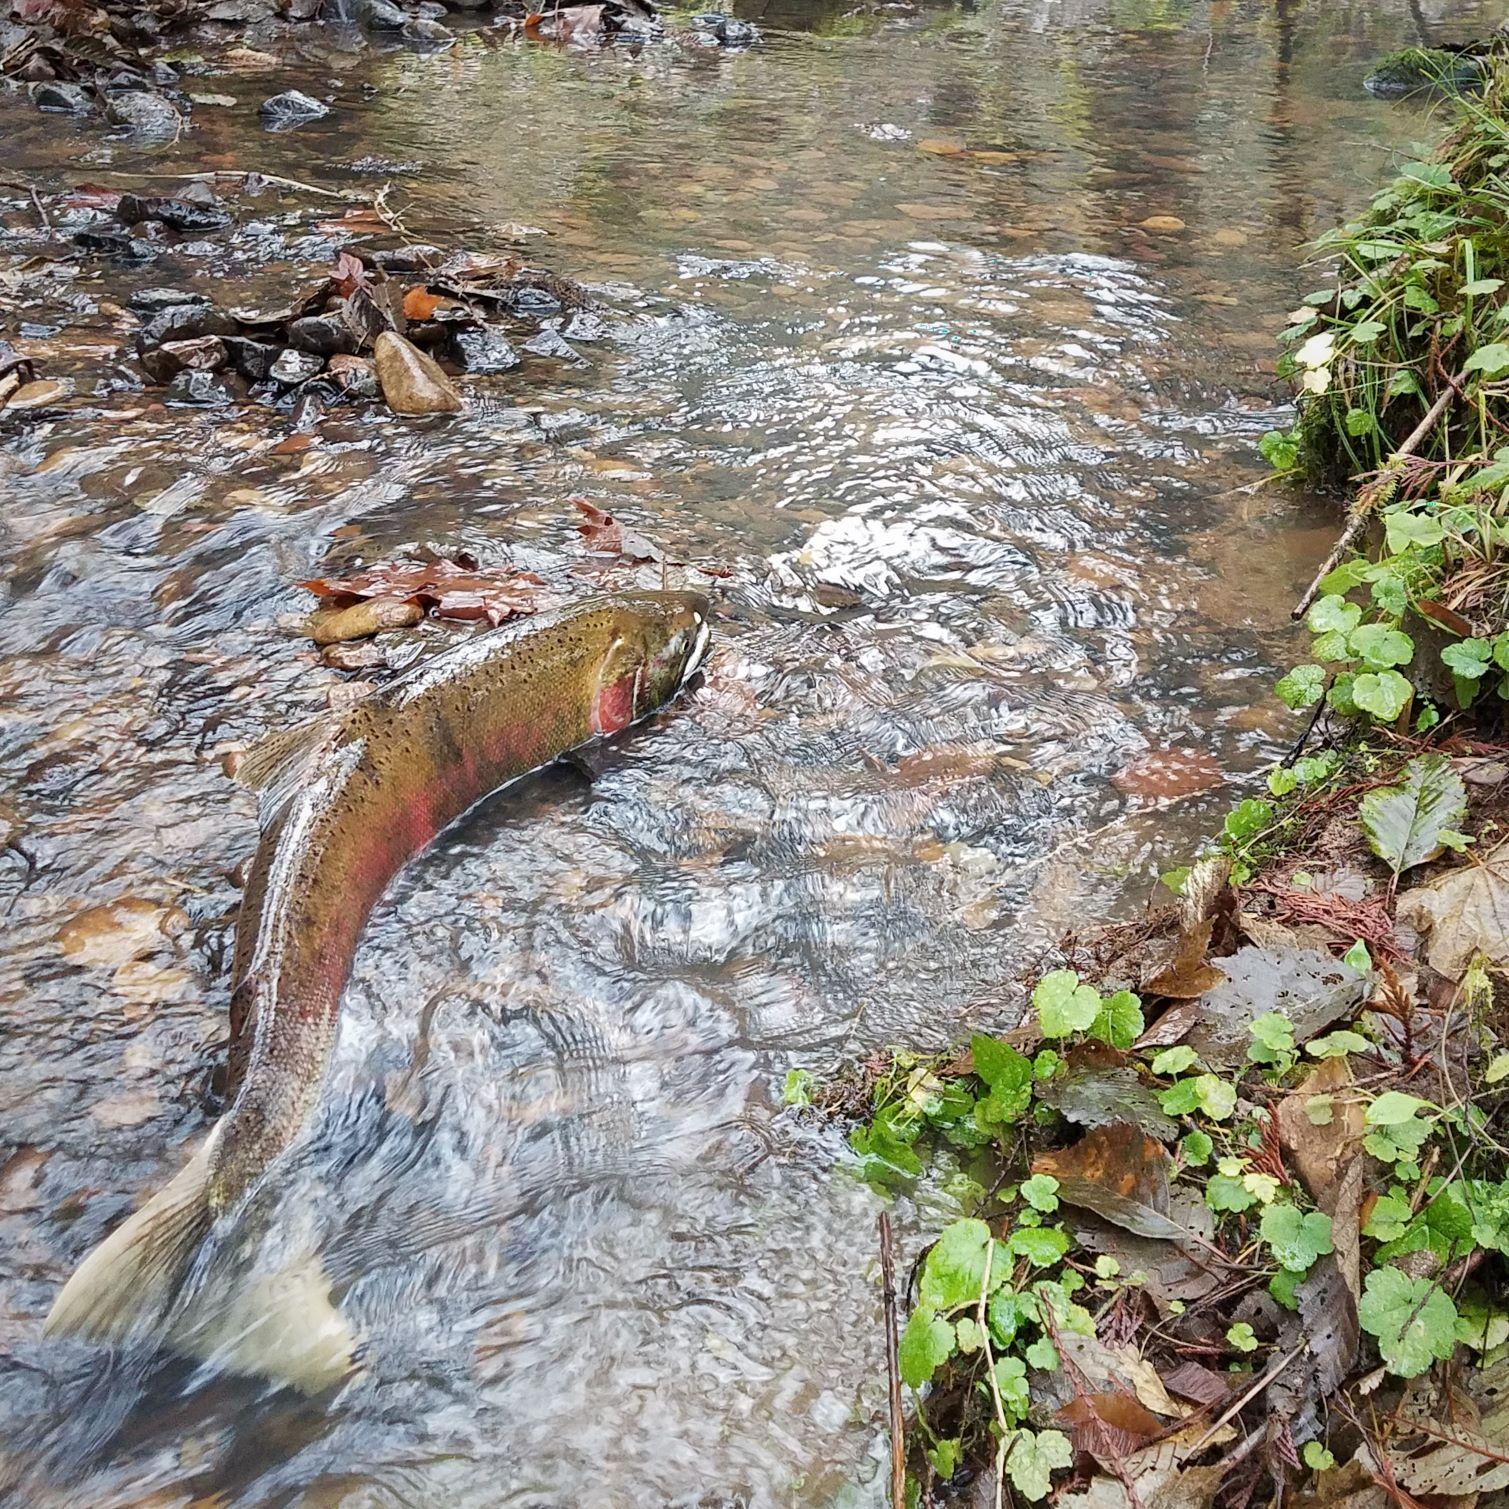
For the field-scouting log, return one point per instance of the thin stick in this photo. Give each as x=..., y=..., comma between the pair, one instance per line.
x=983, y=1322
x=892, y=1363
x=285, y=183
x=1362, y=510
x=1241, y=1402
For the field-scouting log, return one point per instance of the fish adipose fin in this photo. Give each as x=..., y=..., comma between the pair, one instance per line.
x=129, y=1280
x=281, y=1326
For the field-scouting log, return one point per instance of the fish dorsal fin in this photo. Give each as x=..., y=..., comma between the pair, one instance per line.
x=278, y=763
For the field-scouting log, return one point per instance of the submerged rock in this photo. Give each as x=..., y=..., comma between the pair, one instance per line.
x=180, y=213
x=153, y=300
x=143, y=113
x=726, y=31
x=1426, y=70
x=482, y=350
x=293, y=367
x=292, y=108
x=411, y=382
x=199, y=390
x=204, y=354
x=552, y=343
x=64, y=98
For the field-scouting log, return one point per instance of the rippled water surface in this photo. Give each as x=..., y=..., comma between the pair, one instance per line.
x=947, y=333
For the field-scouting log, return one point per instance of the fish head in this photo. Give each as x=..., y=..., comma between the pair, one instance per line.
x=659, y=641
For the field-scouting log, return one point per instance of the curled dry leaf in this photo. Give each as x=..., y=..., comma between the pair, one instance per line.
x=604, y=534
x=1320, y=1127
x=1463, y=913
x=441, y=587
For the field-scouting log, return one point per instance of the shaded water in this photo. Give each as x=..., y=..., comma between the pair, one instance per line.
x=969, y=437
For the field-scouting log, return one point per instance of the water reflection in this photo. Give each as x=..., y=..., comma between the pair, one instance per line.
x=947, y=333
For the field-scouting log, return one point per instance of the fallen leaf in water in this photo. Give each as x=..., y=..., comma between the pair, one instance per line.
x=1463, y=913
x=1161, y=774
x=571, y=23
x=1122, y=1174
x=941, y=146
x=130, y=927
x=604, y=534
x=364, y=221
x=91, y=196
x=441, y=587
x=361, y=620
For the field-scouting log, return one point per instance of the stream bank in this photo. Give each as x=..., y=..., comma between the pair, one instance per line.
x=1235, y=1191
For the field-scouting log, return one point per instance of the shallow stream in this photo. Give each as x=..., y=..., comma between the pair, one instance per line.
x=948, y=332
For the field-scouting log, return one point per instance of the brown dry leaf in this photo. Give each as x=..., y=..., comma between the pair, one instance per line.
x=446, y=588
x=1157, y=1478
x=1160, y=774
x=1122, y=1174
x=1109, y=1426
x=1321, y=1153
x=1462, y=913
x=1187, y=975
x=604, y=534
x=1193, y=1380
x=1471, y=1462
x=1350, y=1486
x=348, y=275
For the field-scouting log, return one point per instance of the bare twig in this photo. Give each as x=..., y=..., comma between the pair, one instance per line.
x=892, y=1363
x=1367, y=499
x=1242, y=1400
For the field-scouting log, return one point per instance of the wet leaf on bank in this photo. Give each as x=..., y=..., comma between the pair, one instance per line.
x=1404, y=824
x=1321, y=1150
x=1122, y=1175
x=1307, y=986
x=1463, y=914
x=1099, y=1088
x=1187, y=975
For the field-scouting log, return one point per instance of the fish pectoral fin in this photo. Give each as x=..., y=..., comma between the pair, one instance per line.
x=276, y=765
x=282, y=1326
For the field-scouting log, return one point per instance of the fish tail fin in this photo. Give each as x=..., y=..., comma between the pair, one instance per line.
x=282, y=1325
x=130, y=1279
